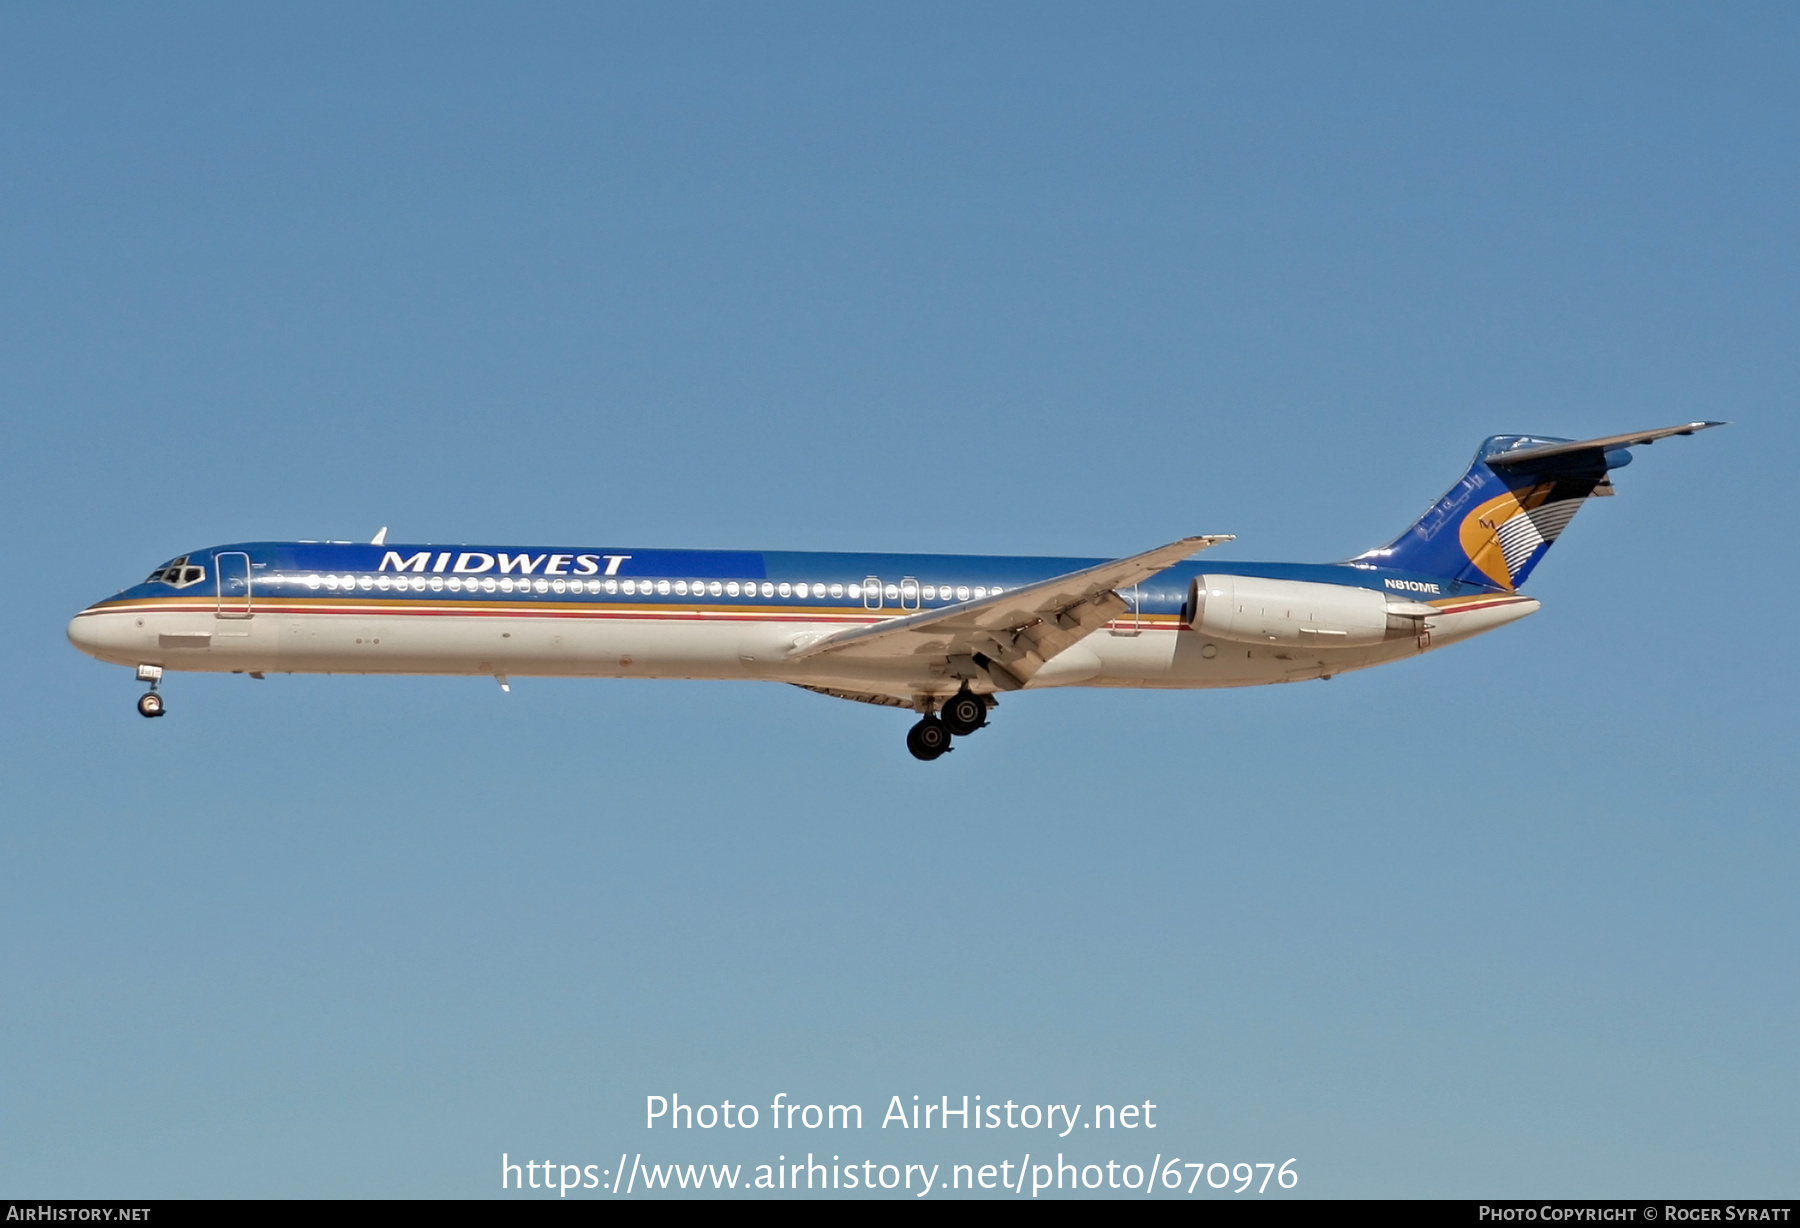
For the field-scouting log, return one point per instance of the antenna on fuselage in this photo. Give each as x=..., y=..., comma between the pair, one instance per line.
x=380, y=538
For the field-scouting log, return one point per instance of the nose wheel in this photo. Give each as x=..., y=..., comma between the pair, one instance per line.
x=150, y=703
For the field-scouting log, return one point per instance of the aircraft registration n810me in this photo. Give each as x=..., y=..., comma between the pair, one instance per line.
x=937, y=635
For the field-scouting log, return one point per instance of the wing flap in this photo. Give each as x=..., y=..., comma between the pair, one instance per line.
x=879, y=698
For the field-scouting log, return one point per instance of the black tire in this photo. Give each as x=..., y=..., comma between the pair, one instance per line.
x=965, y=713
x=150, y=704
x=928, y=739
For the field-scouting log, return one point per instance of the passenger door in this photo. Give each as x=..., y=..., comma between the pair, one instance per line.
x=231, y=569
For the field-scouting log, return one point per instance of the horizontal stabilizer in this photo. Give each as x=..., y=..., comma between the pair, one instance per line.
x=1603, y=445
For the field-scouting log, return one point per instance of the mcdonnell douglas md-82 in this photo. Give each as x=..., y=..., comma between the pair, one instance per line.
x=939, y=635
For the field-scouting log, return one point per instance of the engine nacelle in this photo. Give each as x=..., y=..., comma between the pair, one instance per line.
x=1249, y=609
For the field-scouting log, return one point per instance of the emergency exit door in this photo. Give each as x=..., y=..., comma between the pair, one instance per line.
x=1127, y=623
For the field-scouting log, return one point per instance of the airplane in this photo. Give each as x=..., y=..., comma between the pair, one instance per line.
x=942, y=636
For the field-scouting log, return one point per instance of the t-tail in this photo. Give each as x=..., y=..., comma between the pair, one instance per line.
x=1519, y=494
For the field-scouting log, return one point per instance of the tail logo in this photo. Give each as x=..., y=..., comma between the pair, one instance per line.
x=1500, y=536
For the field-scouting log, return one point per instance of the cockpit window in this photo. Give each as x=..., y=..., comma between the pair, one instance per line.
x=179, y=574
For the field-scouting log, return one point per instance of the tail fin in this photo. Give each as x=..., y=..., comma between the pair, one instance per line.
x=1519, y=494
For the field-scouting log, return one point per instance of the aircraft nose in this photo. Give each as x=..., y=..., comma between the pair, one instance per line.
x=84, y=633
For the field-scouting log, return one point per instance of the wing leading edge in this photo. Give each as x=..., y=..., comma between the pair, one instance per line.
x=1011, y=635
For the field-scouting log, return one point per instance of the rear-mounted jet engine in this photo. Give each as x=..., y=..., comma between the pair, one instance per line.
x=1252, y=610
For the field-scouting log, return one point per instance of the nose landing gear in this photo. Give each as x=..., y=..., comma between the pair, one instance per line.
x=150, y=703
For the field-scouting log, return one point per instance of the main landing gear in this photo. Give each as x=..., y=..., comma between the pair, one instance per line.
x=928, y=739
x=150, y=703
x=965, y=713
x=961, y=716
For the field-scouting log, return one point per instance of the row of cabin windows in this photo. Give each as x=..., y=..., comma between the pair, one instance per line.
x=871, y=592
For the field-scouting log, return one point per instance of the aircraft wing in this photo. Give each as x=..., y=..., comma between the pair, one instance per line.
x=1011, y=634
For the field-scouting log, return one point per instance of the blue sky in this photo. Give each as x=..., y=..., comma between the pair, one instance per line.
x=1516, y=919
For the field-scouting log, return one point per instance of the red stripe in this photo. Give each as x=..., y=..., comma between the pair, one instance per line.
x=483, y=609
x=1483, y=604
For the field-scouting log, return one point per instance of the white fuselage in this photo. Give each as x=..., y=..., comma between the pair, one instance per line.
x=353, y=635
